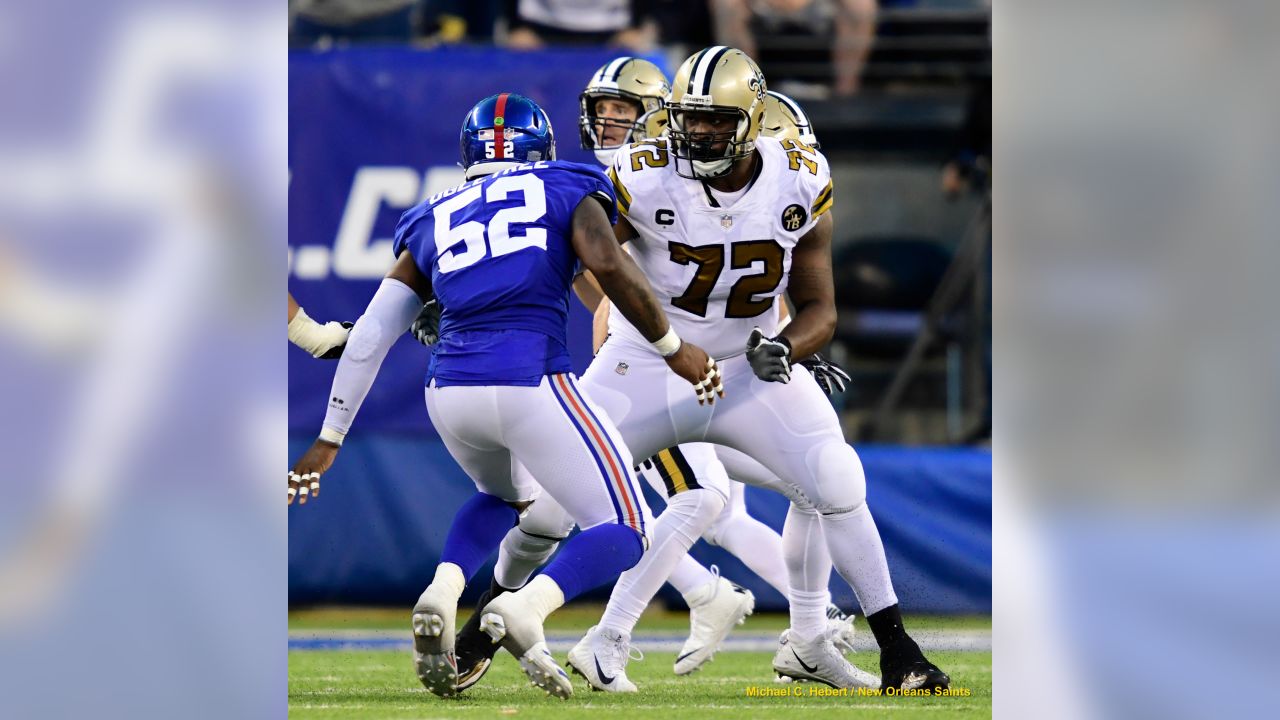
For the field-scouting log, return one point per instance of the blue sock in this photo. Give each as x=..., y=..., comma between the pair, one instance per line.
x=477, y=529
x=595, y=557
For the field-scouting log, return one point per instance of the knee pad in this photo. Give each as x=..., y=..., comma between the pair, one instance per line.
x=699, y=508
x=544, y=518
x=524, y=546
x=700, y=502
x=722, y=522
x=839, y=483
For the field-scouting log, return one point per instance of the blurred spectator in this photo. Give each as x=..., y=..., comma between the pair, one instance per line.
x=454, y=21
x=683, y=27
x=806, y=48
x=533, y=24
x=970, y=166
x=315, y=21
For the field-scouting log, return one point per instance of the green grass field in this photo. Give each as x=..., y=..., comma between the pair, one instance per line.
x=381, y=683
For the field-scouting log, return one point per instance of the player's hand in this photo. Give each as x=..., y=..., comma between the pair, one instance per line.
x=426, y=328
x=693, y=364
x=831, y=377
x=304, y=478
x=770, y=358
x=335, y=332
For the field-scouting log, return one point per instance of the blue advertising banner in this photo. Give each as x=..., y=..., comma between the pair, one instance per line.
x=372, y=132
x=376, y=533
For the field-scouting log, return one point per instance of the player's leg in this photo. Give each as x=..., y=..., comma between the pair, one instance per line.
x=563, y=439
x=715, y=604
x=688, y=575
x=757, y=545
x=696, y=497
x=701, y=496
x=636, y=389
x=531, y=543
x=465, y=419
x=639, y=392
x=793, y=430
x=525, y=548
x=807, y=565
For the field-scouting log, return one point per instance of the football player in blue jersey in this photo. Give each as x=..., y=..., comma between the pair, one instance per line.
x=499, y=253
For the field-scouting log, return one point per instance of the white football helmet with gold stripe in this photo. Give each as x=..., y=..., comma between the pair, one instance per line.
x=637, y=81
x=716, y=87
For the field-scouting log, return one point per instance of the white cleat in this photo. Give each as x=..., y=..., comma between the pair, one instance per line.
x=713, y=611
x=818, y=660
x=840, y=629
x=433, y=636
x=509, y=621
x=601, y=657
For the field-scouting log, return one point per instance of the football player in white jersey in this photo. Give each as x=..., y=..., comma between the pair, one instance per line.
x=722, y=222
x=714, y=608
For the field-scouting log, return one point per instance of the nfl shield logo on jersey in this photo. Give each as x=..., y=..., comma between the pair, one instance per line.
x=622, y=368
x=726, y=221
x=793, y=217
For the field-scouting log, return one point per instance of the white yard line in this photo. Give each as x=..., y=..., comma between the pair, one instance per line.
x=397, y=640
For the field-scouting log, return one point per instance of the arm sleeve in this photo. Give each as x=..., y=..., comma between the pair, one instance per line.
x=389, y=314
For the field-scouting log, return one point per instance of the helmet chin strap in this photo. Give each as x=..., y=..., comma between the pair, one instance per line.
x=711, y=168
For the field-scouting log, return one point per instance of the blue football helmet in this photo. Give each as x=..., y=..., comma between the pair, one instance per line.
x=502, y=131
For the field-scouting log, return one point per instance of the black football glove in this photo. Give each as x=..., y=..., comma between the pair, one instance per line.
x=831, y=377
x=770, y=358
x=335, y=352
x=426, y=328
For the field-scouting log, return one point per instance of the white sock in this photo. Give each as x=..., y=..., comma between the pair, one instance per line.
x=520, y=556
x=808, y=613
x=687, y=516
x=758, y=547
x=808, y=571
x=858, y=553
x=689, y=576
x=543, y=595
x=449, y=577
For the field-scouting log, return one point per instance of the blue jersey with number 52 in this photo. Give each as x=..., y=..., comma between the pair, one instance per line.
x=499, y=253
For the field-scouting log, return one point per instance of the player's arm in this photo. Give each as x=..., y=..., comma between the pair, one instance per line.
x=588, y=290
x=626, y=287
x=592, y=296
x=813, y=292
x=600, y=325
x=586, y=286
x=392, y=309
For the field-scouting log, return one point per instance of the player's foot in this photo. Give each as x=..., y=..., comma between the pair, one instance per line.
x=713, y=611
x=903, y=666
x=433, y=640
x=820, y=661
x=508, y=619
x=474, y=648
x=839, y=626
x=601, y=657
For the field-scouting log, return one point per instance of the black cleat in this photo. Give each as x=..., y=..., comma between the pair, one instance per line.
x=903, y=666
x=473, y=647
